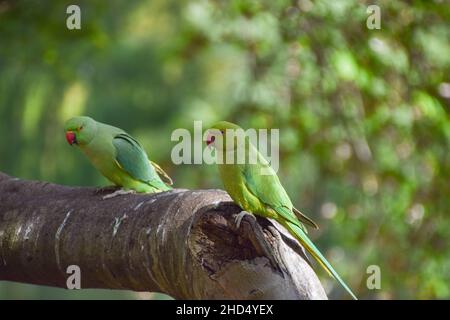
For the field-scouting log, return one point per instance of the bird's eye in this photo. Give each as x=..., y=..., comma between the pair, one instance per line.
x=222, y=131
x=81, y=128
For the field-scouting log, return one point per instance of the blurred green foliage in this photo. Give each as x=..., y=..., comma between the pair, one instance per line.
x=363, y=114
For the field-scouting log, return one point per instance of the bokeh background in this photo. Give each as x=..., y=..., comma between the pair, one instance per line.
x=363, y=114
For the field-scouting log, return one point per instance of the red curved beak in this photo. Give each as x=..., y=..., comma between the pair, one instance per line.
x=71, y=137
x=210, y=139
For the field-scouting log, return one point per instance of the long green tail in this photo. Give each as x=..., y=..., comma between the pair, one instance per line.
x=304, y=240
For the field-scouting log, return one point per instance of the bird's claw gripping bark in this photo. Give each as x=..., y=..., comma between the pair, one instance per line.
x=119, y=192
x=240, y=216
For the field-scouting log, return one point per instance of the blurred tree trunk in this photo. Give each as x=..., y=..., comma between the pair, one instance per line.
x=182, y=243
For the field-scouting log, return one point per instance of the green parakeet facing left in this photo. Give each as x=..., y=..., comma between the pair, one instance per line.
x=255, y=187
x=117, y=155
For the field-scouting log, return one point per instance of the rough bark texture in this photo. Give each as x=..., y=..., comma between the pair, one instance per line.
x=183, y=243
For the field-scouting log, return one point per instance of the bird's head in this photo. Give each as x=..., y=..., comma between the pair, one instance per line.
x=80, y=130
x=222, y=131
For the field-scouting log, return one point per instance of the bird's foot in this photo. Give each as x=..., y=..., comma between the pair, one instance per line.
x=240, y=216
x=119, y=192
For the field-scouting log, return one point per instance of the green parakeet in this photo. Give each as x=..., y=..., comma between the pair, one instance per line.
x=258, y=193
x=117, y=155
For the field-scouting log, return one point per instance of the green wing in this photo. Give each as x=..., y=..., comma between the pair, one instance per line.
x=267, y=187
x=131, y=157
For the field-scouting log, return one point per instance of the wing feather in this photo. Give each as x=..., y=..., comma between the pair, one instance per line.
x=268, y=188
x=131, y=158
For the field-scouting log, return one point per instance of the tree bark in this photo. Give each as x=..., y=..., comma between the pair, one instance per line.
x=183, y=243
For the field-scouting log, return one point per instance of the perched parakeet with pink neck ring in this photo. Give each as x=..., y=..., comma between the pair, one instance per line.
x=117, y=155
x=255, y=187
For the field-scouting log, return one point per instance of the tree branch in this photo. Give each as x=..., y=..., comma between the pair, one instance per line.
x=183, y=243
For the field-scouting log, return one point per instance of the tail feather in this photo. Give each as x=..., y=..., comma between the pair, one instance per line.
x=164, y=176
x=312, y=249
x=159, y=185
x=304, y=218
